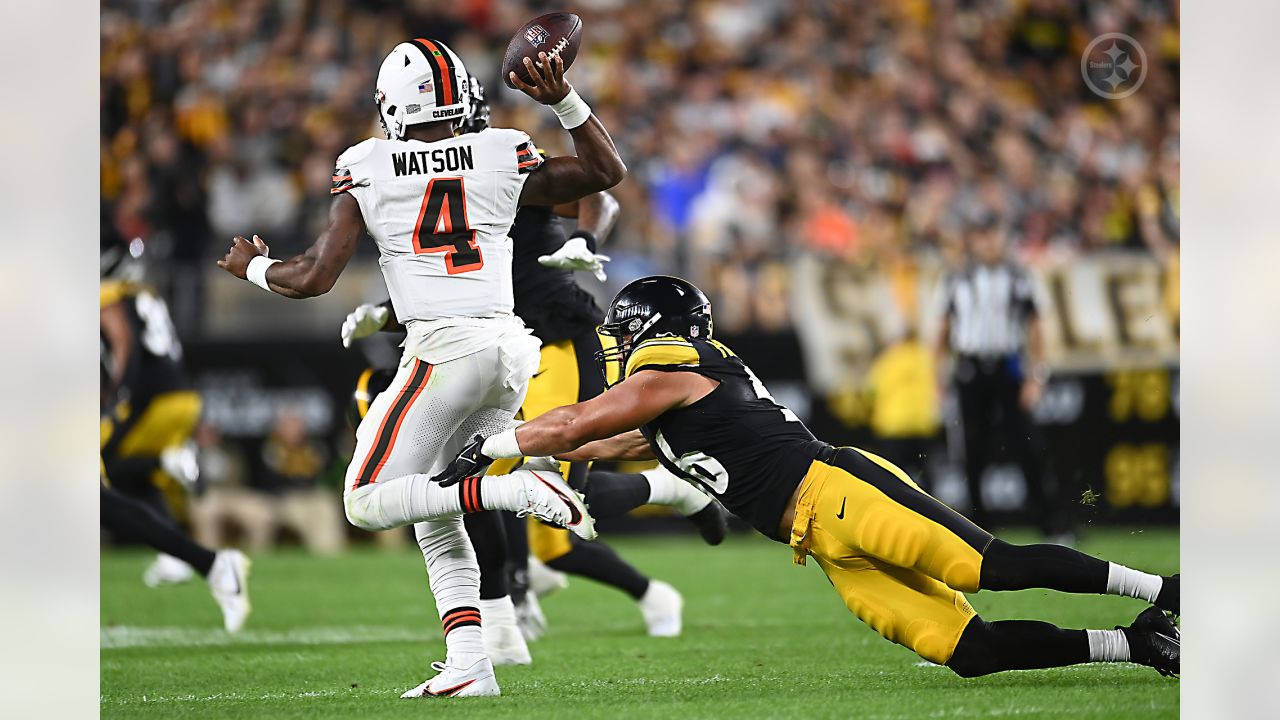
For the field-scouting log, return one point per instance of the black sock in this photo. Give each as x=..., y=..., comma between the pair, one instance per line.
x=122, y=514
x=1018, y=567
x=517, y=535
x=488, y=537
x=599, y=562
x=988, y=647
x=610, y=494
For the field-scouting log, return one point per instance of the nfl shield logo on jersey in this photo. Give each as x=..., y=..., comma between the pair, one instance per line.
x=536, y=35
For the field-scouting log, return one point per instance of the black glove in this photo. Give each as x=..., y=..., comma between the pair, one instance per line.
x=469, y=463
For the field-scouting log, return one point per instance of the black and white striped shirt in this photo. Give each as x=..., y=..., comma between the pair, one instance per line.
x=989, y=306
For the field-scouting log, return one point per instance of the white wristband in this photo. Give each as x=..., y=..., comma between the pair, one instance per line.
x=256, y=273
x=502, y=445
x=572, y=110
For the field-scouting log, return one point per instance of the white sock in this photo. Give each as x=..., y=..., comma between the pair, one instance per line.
x=504, y=492
x=1133, y=583
x=1108, y=646
x=454, y=575
x=498, y=611
x=667, y=489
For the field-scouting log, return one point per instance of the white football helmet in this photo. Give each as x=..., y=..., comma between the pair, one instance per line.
x=420, y=81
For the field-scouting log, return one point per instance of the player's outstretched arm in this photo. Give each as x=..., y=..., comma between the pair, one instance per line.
x=307, y=275
x=630, y=445
x=597, y=166
x=624, y=407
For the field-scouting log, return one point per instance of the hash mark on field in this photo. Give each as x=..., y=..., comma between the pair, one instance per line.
x=123, y=636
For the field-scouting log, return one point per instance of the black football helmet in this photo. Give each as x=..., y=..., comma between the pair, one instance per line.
x=371, y=383
x=652, y=307
x=477, y=117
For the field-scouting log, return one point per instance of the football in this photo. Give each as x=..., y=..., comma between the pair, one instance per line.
x=554, y=33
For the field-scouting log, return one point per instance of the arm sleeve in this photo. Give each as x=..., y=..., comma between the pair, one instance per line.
x=528, y=157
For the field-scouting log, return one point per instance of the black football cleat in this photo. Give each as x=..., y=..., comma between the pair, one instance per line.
x=712, y=523
x=1154, y=641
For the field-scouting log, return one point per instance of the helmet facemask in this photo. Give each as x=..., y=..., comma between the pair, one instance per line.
x=628, y=333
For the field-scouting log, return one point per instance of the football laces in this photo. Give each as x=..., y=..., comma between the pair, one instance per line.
x=559, y=46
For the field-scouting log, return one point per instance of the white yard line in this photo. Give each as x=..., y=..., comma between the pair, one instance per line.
x=123, y=636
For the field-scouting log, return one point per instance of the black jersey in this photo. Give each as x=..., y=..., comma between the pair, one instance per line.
x=548, y=300
x=155, y=362
x=737, y=442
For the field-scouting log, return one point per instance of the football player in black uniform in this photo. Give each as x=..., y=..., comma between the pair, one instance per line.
x=564, y=317
x=150, y=407
x=899, y=558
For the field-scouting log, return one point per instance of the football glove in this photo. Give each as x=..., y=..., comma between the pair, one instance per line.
x=575, y=255
x=363, y=322
x=469, y=463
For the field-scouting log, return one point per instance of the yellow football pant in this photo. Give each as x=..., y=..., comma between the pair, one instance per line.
x=897, y=556
x=168, y=420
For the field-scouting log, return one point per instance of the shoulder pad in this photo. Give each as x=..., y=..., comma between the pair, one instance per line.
x=343, y=178
x=356, y=153
x=525, y=157
x=660, y=352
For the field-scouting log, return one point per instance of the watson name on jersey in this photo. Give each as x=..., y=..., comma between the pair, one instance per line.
x=440, y=213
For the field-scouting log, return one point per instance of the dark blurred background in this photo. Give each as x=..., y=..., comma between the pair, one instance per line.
x=816, y=167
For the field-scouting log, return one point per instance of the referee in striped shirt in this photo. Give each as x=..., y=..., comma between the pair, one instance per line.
x=991, y=326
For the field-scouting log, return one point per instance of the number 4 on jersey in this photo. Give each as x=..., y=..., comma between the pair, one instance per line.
x=442, y=227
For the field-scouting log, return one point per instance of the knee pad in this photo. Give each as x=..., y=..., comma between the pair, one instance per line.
x=356, y=506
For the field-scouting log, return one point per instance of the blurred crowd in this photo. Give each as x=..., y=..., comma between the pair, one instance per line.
x=872, y=133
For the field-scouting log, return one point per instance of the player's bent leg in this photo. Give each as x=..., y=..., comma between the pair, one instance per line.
x=532, y=490
x=610, y=493
x=903, y=605
x=873, y=509
x=989, y=647
x=1019, y=567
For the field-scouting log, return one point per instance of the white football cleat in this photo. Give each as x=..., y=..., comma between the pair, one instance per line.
x=529, y=617
x=229, y=583
x=549, y=498
x=503, y=642
x=475, y=680
x=662, y=607
x=167, y=570
x=543, y=580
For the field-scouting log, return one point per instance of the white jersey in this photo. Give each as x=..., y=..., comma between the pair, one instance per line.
x=440, y=213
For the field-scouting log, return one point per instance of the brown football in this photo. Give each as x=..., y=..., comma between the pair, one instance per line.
x=553, y=33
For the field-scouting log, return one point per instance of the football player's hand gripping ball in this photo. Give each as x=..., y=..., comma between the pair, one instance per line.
x=363, y=322
x=575, y=255
x=469, y=463
x=549, y=86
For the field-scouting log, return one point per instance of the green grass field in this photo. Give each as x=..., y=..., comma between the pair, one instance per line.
x=343, y=637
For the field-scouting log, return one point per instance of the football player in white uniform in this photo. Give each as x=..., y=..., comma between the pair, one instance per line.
x=439, y=207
